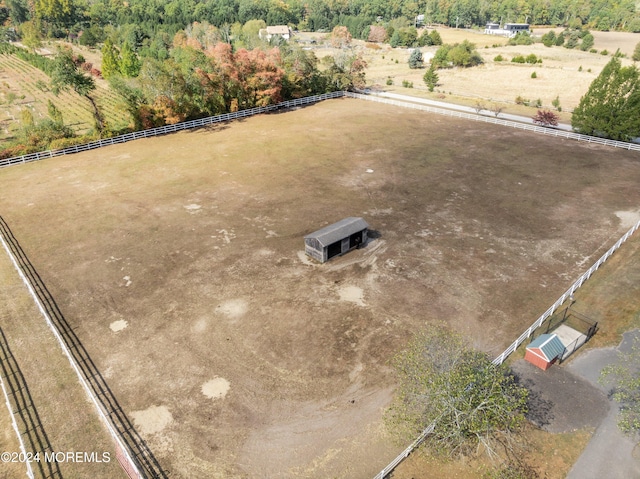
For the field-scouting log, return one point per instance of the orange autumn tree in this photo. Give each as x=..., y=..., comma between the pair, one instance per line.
x=260, y=77
x=250, y=77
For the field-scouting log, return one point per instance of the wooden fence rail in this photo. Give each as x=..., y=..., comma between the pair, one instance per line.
x=163, y=130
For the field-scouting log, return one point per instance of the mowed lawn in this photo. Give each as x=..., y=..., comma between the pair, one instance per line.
x=179, y=261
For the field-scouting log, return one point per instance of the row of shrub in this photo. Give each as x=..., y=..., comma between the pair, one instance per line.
x=42, y=63
x=531, y=58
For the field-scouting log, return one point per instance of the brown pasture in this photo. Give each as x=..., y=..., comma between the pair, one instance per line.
x=179, y=262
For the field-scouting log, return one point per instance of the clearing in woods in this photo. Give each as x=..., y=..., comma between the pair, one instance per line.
x=178, y=260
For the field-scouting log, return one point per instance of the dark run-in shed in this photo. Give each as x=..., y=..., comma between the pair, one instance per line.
x=336, y=239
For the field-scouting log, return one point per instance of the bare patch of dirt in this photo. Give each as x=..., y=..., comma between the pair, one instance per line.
x=216, y=388
x=118, y=325
x=628, y=219
x=152, y=420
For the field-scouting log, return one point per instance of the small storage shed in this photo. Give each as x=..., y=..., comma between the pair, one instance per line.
x=336, y=239
x=544, y=350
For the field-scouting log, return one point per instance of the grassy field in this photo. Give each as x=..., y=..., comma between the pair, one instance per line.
x=564, y=74
x=179, y=262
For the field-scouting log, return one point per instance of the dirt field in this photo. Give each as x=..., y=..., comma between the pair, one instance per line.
x=179, y=261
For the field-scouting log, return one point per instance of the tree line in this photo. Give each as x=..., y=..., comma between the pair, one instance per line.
x=205, y=72
x=143, y=20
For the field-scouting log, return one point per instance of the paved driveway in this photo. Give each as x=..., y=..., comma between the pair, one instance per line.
x=609, y=454
x=569, y=397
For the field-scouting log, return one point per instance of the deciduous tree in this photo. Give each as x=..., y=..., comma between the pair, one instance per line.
x=345, y=71
x=377, y=34
x=472, y=402
x=30, y=34
x=545, y=118
x=57, y=12
x=67, y=76
x=340, y=37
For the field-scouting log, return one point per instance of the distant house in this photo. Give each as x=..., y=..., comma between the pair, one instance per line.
x=282, y=31
x=508, y=30
x=544, y=351
x=336, y=239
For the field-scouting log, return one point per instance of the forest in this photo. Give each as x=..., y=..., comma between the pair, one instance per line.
x=149, y=21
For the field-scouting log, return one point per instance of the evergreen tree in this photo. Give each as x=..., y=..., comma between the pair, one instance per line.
x=636, y=53
x=54, y=113
x=549, y=39
x=436, y=39
x=431, y=78
x=110, y=60
x=129, y=63
x=587, y=42
x=611, y=106
x=425, y=40
x=415, y=59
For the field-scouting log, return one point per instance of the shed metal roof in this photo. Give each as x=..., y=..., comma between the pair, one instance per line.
x=337, y=231
x=549, y=344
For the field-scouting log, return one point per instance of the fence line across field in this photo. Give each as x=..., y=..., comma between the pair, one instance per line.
x=497, y=121
x=187, y=125
x=121, y=447
x=163, y=130
x=23, y=451
x=523, y=337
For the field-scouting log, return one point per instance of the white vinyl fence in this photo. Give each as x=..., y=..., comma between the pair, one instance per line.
x=567, y=294
x=523, y=337
x=497, y=121
x=131, y=466
x=23, y=450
